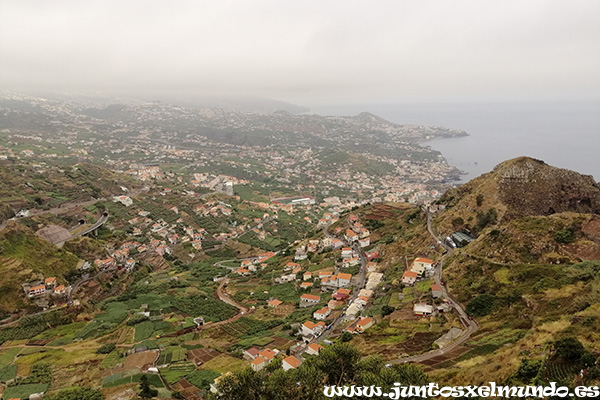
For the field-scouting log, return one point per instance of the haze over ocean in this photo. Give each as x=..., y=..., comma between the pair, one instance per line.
x=562, y=134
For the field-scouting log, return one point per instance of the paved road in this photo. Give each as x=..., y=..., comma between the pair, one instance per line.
x=469, y=324
x=90, y=229
x=65, y=207
x=359, y=284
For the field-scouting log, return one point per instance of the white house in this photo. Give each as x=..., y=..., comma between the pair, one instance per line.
x=307, y=300
x=310, y=328
x=409, y=278
x=290, y=362
x=321, y=314
x=422, y=309
x=314, y=349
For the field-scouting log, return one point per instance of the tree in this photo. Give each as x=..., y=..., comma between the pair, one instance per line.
x=528, y=370
x=458, y=222
x=339, y=362
x=485, y=219
x=346, y=337
x=146, y=392
x=387, y=310
x=479, y=200
x=569, y=348
x=481, y=305
x=106, y=348
x=77, y=393
x=565, y=236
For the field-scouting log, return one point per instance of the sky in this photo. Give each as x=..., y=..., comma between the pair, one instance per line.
x=307, y=52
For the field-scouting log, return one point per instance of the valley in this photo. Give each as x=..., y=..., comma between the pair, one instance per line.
x=200, y=249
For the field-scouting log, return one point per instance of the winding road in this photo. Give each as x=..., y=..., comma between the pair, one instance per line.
x=469, y=324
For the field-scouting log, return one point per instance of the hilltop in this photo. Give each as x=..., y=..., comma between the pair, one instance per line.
x=530, y=277
x=517, y=188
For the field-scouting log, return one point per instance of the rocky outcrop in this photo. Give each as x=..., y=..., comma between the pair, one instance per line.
x=531, y=187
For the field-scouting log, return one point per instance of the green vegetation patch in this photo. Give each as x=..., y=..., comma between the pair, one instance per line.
x=208, y=307
x=175, y=372
x=118, y=380
x=144, y=330
x=24, y=391
x=7, y=356
x=202, y=378
x=8, y=373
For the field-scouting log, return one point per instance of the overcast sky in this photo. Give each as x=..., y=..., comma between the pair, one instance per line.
x=308, y=52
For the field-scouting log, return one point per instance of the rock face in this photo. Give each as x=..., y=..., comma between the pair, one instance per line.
x=531, y=187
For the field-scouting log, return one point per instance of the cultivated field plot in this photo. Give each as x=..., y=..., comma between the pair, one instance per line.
x=381, y=212
x=280, y=342
x=283, y=310
x=39, y=342
x=73, y=375
x=201, y=356
x=139, y=360
x=187, y=390
x=171, y=355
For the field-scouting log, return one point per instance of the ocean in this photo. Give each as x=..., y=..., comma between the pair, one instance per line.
x=565, y=135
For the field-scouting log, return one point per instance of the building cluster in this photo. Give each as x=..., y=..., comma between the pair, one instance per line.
x=420, y=268
x=47, y=286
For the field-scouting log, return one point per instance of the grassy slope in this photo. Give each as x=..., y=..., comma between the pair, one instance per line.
x=23, y=256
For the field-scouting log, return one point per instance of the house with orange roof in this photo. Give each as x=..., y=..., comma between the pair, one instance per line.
x=251, y=353
x=258, y=363
x=364, y=324
x=308, y=300
x=314, y=349
x=420, y=265
x=360, y=325
x=309, y=328
x=307, y=276
x=350, y=235
x=306, y=285
x=60, y=289
x=436, y=291
x=343, y=279
x=336, y=243
x=274, y=303
x=325, y=274
x=321, y=314
x=37, y=290
x=50, y=283
x=242, y=271
x=268, y=354
x=290, y=362
x=347, y=252
x=265, y=256
x=290, y=266
x=362, y=300
x=350, y=262
x=364, y=242
x=409, y=278
x=341, y=294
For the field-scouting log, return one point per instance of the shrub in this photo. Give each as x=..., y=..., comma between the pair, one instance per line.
x=528, y=370
x=106, y=348
x=565, y=236
x=346, y=337
x=481, y=305
x=569, y=348
x=386, y=310
x=479, y=200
